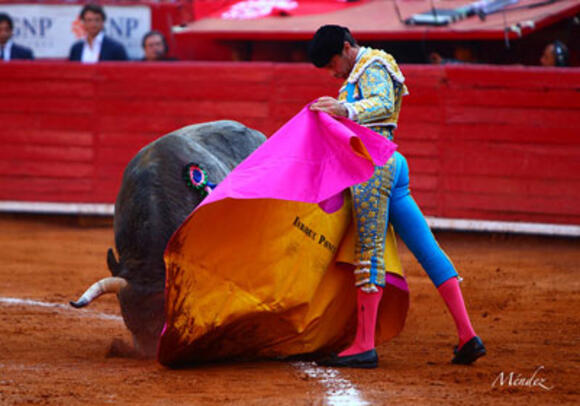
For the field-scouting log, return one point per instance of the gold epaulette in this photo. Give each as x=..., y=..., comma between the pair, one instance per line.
x=371, y=56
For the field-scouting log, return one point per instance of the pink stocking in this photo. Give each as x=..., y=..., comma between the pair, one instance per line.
x=451, y=294
x=368, y=307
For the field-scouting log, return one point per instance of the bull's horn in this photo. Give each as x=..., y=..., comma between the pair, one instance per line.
x=112, y=284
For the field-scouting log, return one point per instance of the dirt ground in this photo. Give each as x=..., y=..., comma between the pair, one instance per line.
x=522, y=293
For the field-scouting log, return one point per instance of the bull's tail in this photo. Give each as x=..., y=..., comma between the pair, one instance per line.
x=111, y=284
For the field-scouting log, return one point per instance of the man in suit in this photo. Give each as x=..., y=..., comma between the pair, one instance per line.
x=96, y=46
x=8, y=49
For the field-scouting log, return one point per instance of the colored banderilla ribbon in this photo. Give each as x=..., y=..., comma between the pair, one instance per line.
x=196, y=178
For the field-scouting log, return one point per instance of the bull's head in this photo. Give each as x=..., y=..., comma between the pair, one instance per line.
x=141, y=307
x=153, y=201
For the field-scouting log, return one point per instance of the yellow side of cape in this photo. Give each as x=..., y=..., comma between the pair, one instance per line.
x=266, y=278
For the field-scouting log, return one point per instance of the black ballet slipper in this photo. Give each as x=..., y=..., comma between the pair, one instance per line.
x=469, y=352
x=368, y=359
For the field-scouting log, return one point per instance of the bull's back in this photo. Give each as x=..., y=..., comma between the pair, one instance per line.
x=154, y=199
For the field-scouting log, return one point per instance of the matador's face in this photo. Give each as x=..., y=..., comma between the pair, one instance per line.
x=341, y=65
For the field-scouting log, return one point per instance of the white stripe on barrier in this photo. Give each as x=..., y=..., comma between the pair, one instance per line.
x=504, y=227
x=103, y=209
x=339, y=391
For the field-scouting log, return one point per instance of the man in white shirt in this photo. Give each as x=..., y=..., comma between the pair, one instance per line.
x=8, y=49
x=96, y=46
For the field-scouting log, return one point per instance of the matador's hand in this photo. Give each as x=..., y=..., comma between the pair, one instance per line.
x=329, y=105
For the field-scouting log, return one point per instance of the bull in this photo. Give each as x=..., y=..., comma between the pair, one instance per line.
x=153, y=201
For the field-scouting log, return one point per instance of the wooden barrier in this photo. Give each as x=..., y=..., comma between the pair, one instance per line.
x=488, y=143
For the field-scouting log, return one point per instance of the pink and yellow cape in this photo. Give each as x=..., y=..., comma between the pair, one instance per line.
x=262, y=267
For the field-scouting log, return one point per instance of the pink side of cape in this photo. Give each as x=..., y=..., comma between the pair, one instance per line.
x=310, y=159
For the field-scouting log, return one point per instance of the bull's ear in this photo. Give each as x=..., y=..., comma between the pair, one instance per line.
x=112, y=262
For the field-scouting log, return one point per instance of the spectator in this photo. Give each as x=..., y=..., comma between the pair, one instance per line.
x=96, y=46
x=555, y=54
x=8, y=49
x=155, y=47
x=461, y=54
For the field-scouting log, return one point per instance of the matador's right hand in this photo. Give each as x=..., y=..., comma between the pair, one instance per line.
x=329, y=105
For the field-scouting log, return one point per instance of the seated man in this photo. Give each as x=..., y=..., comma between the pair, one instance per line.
x=96, y=46
x=155, y=47
x=8, y=49
x=555, y=54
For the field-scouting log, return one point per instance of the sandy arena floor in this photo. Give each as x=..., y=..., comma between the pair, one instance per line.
x=523, y=293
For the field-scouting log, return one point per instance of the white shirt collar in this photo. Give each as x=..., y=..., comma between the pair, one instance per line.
x=98, y=40
x=91, y=54
x=7, y=49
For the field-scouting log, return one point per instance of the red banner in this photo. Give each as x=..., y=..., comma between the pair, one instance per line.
x=250, y=9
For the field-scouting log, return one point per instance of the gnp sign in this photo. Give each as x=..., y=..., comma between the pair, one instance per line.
x=50, y=30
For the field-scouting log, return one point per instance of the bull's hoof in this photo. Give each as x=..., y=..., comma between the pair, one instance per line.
x=120, y=349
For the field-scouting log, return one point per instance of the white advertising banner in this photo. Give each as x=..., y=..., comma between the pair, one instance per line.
x=50, y=30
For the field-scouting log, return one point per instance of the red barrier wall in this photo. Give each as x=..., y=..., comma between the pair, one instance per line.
x=482, y=142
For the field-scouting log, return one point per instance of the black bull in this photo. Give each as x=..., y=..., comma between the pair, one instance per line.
x=153, y=201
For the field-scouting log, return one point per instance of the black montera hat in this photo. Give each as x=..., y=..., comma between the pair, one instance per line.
x=327, y=42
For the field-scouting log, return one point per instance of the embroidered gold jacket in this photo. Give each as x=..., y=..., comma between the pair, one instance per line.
x=374, y=90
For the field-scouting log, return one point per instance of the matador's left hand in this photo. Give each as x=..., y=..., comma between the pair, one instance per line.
x=329, y=105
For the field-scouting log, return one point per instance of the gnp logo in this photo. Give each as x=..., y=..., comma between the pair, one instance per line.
x=26, y=28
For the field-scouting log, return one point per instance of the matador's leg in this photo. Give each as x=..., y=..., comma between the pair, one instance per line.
x=370, y=204
x=370, y=209
x=412, y=227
